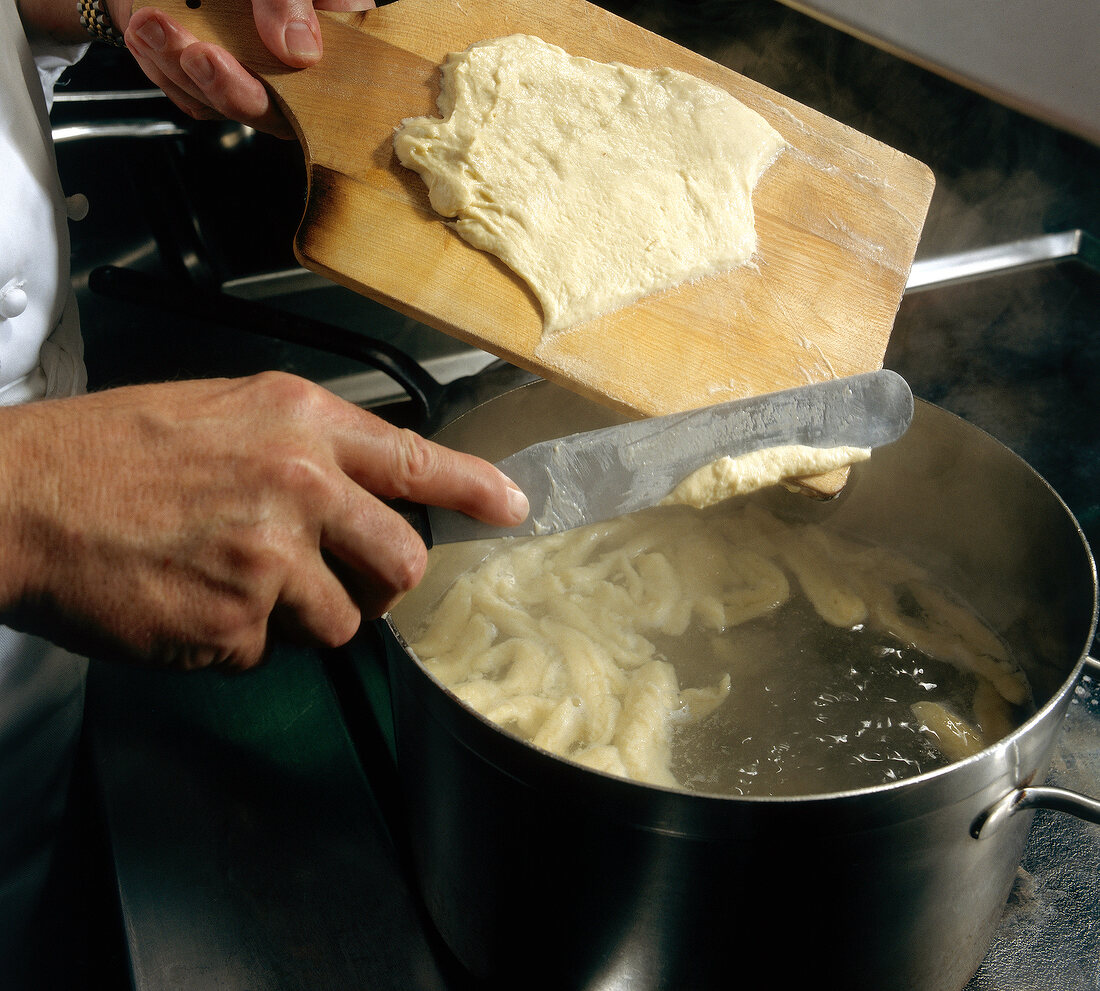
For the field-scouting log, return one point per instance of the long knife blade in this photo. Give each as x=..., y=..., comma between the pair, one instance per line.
x=600, y=474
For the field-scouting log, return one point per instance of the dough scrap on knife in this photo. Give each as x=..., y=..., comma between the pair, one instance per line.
x=597, y=183
x=728, y=477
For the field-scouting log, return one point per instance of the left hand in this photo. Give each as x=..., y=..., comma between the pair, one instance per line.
x=208, y=83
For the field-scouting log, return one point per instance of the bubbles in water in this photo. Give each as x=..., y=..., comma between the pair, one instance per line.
x=813, y=709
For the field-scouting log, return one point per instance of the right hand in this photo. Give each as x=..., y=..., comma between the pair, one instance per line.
x=182, y=524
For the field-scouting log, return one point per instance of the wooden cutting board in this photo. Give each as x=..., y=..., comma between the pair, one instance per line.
x=838, y=215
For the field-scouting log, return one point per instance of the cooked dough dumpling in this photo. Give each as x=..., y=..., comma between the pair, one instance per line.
x=597, y=183
x=613, y=644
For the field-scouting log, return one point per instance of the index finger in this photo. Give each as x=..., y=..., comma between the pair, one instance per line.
x=440, y=476
x=397, y=463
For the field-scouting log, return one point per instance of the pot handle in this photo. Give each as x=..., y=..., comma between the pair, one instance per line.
x=216, y=307
x=1037, y=797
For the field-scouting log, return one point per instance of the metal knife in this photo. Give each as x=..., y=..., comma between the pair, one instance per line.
x=600, y=474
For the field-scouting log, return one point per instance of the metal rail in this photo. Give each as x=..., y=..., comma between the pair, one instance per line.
x=965, y=266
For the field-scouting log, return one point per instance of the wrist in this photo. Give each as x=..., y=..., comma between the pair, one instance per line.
x=56, y=19
x=97, y=20
x=72, y=22
x=16, y=551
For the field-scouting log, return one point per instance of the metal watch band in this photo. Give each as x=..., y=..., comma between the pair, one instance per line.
x=97, y=21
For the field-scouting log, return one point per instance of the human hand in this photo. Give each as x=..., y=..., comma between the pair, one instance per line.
x=182, y=524
x=205, y=81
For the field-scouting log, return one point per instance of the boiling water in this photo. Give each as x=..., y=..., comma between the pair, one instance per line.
x=812, y=708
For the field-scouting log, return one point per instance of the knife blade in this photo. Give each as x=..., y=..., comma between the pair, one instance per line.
x=600, y=474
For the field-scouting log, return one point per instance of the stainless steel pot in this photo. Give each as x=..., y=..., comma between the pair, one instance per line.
x=540, y=874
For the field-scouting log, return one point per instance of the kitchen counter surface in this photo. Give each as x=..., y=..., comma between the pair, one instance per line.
x=249, y=849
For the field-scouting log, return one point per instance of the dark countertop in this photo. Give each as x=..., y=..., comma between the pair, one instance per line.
x=249, y=849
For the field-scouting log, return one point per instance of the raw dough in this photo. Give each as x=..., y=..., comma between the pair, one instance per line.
x=728, y=477
x=597, y=183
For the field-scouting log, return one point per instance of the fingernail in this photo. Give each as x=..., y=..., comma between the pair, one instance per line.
x=300, y=40
x=200, y=69
x=517, y=503
x=152, y=34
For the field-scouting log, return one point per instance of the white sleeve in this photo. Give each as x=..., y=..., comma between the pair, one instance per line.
x=51, y=59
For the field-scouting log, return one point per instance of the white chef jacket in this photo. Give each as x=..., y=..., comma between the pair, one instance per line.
x=41, y=686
